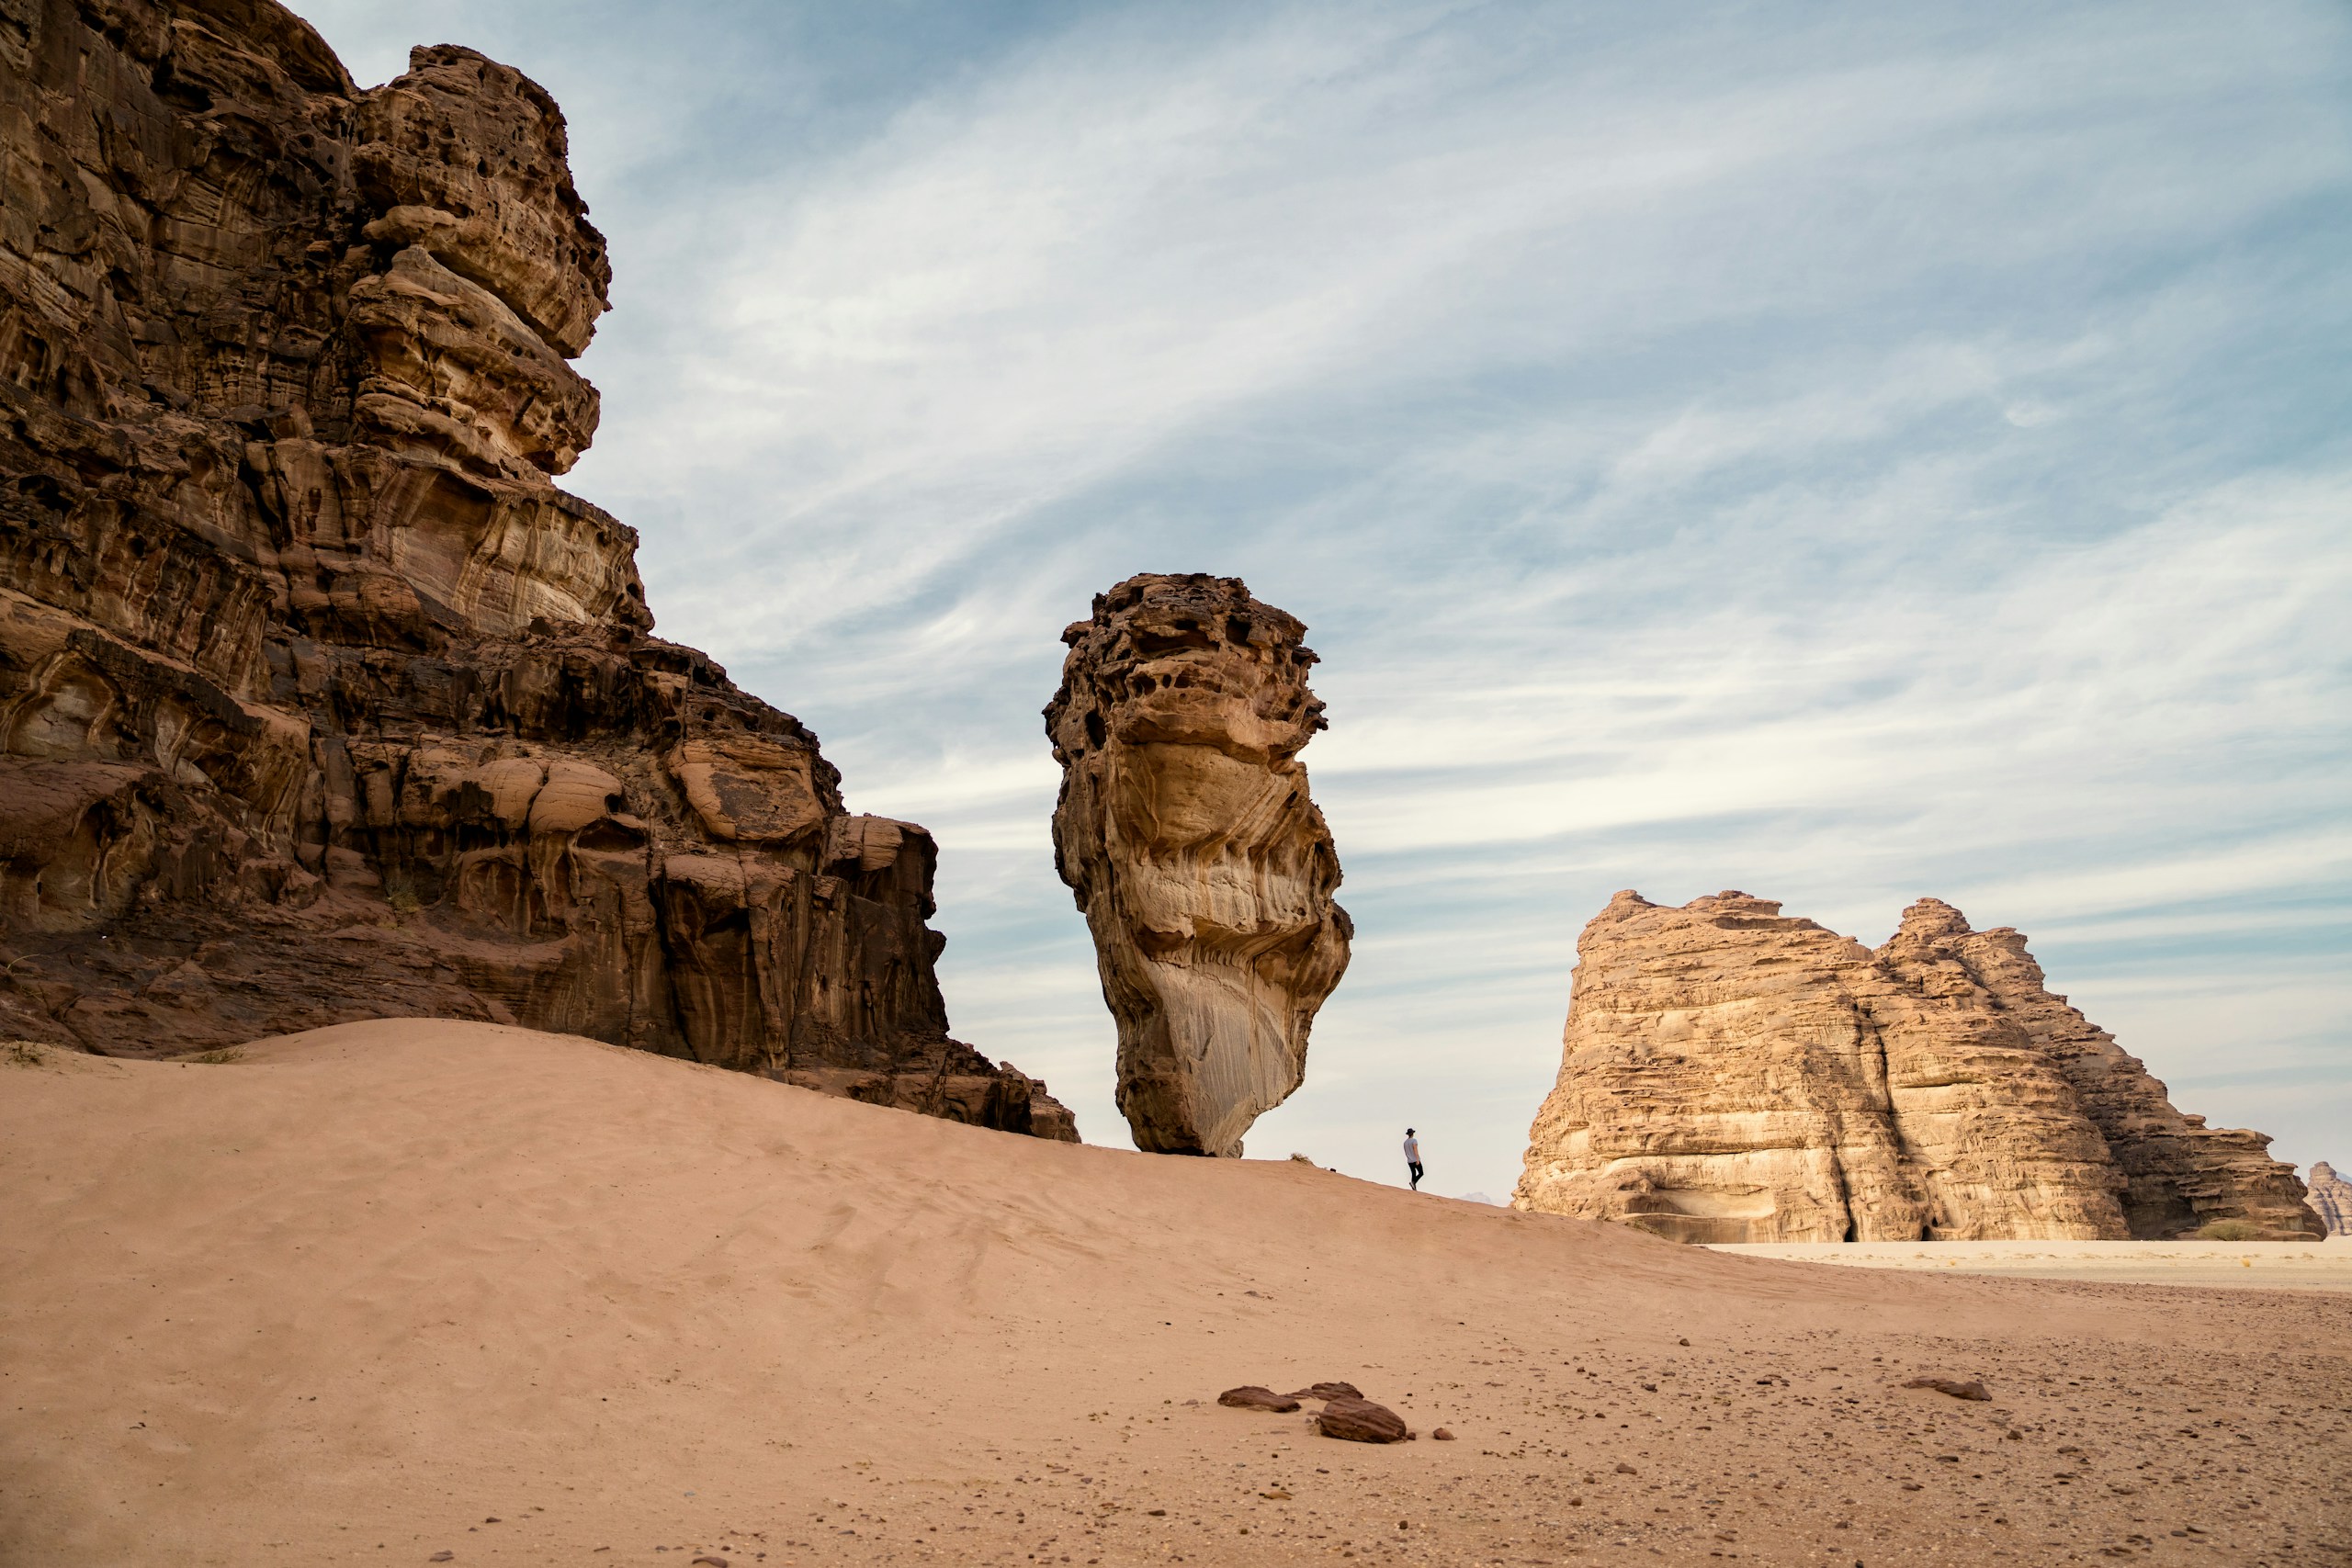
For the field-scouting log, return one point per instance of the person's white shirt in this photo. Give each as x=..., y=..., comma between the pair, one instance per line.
x=1412, y=1150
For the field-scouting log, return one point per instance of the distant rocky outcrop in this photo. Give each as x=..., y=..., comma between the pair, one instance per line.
x=318, y=699
x=2331, y=1197
x=1733, y=1075
x=1186, y=831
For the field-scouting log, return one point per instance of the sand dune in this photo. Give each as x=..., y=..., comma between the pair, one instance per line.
x=387, y=1290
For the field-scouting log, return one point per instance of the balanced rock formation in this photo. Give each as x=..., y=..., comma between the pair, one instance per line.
x=1730, y=1074
x=1185, y=830
x=2331, y=1199
x=318, y=699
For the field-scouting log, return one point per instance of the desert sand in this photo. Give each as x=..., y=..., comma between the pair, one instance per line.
x=400, y=1293
x=2314, y=1265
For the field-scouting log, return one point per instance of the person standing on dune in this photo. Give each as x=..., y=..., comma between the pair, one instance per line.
x=1413, y=1156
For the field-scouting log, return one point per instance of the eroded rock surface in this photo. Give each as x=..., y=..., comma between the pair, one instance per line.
x=1186, y=832
x=1361, y=1421
x=2177, y=1173
x=1731, y=1074
x=2331, y=1199
x=318, y=699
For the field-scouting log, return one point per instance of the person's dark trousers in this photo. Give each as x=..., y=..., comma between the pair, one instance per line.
x=1415, y=1169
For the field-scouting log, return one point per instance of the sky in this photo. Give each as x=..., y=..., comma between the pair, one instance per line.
x=1843, y=453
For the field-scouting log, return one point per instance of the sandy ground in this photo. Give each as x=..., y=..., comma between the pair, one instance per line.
x=2308, y=1266
x=403, y=1293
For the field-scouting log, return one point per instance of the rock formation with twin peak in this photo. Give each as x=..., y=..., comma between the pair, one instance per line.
x=318, y=699
x=1186, y=832
x=2331, y=1199
x=1730, y=1074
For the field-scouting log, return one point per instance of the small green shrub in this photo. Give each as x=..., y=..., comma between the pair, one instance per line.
x=2231, y=1230
x=25, y=1053
x=221, y=1058
x=399, y=891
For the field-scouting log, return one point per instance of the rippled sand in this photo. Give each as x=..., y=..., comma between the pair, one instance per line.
x=400, y=1293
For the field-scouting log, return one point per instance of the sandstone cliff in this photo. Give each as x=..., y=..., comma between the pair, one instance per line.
x=1186, y=832
x=2179, y=1174
x=1732, y=1074
x=318, y=699
x=2331, y=1199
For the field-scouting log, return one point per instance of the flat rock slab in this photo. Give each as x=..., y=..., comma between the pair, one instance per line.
x=1250, y=1396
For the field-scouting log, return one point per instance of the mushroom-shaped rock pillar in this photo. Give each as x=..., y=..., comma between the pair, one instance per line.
x=1186, y=832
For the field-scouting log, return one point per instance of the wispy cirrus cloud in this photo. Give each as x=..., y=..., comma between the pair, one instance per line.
x=1846, y=455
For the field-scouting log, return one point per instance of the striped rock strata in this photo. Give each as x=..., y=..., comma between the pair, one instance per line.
x=319, y=700
x=2331, y=1199
x=1730, y=1074
x=1186, y=832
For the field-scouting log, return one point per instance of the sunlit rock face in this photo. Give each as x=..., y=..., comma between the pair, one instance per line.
x=318, y=699
x=2179, y=1174
x=1186, y=832
x=2331, y=1199
x=1731, y=1074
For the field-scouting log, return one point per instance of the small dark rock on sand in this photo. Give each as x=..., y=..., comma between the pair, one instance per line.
x=1250, y=1396
x=1361, y=1421
x=1441, y=1435
x=1328, y=1390
x=1953, y=1387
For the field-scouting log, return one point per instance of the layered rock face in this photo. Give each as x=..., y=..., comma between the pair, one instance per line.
x=2331, y=1199
x=1730, y=1074
x=2177, y=1173
x=318, y=699
x=1185, y=830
